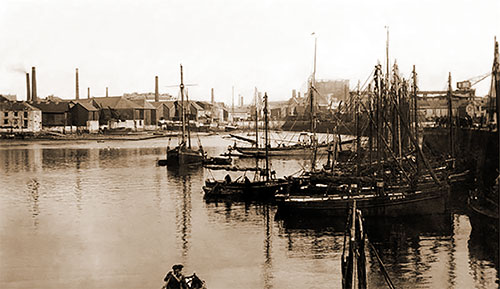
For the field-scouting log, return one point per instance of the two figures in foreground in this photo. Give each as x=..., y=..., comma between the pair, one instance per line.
x=176, y=280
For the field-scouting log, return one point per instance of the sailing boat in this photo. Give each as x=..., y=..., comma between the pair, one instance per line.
x=265, y=187
x=386, y=188
x=183, y=154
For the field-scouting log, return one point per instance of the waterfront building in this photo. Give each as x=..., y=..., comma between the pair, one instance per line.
x=54, y=113
x=84, y=115
x=18, y=117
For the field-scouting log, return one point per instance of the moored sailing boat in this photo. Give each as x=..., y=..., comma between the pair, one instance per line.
x=183, y=154
x=385, y=187
x=264, y=187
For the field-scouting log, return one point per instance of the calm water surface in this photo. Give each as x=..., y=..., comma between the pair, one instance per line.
x=103, y=215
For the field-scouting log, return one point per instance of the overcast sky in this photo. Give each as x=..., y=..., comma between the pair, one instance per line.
x=123, y=44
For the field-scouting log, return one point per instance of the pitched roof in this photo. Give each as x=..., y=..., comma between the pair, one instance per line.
x=144, y=103
x=196, y=106
x=116, y=102
x=52, y=107
x=88, y=105
x=16, y=106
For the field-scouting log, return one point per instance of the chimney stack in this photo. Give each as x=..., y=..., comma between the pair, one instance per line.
x=107, y=92
x=157, y=94
x=33, y=85
x=241, y=100
x=294, y=93
x=88, y=92
x=28, y=91
x=213, y=98
x=77, y=92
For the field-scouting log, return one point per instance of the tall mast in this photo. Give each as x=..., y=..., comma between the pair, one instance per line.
x=358, y=137
x=232, y=104
x=188, y=127
x=450, y=117
x=311, y=98
x=378, y=117
x=415, y=113
x=182, y=109
x=496, y=79
x=387, y=54
x=314, y=68
x=256, y=121
x=266, y=138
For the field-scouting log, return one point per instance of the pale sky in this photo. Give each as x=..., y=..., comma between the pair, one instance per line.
x=123, y=44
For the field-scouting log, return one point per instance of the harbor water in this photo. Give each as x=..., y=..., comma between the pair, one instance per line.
x=88, y=214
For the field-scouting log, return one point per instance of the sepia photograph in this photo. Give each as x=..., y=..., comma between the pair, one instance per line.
x=253, y=144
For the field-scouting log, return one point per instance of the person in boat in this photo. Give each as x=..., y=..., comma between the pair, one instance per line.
x=196, y=283
x=247, y=180
x=174, y=279
x=227, y=179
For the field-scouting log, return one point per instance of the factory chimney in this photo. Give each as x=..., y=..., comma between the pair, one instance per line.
x=28, y=91
x=88, y=92
x=157, y=93
x=212, y=97
x=33, y=85
x=77, y=92
x=107, y=92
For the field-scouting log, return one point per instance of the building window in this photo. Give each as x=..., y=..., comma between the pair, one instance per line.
x=15, y=113
x=6, y=114
x=25, y=114
x=25, y=124
x=5, y=121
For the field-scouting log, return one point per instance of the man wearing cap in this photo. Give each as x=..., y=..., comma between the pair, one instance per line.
x=175, y=279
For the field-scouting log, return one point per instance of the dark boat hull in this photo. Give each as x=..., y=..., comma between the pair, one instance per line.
x=260, y=190
x=181, y=157
x=390, y=205
x=283, y=151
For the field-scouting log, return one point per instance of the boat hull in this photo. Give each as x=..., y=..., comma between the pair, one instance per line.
x=390, y=205
x=284, y=151
x=181, y=157
x=260, y=190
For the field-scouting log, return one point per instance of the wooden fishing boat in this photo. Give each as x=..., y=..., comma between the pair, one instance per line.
x=284, y=150
x=392, y=185
x=183, y=154
x=264, y=186
x=243, y=189
x=392, y=203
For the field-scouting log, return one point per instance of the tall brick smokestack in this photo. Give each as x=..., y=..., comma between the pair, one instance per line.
x=157, y=94
x=77, y=92
x=33, y=85
x=88, y=92
x=28, y=91
x=107, y=94
x=213, y=98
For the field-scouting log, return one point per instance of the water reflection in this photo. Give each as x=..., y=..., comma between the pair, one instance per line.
x=268, y=263
x=109, y=210
x=32, y=188
x=483, y=248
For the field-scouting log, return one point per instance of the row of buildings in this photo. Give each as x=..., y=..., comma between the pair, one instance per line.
x=147, y=112
x=102, y=113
